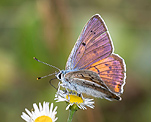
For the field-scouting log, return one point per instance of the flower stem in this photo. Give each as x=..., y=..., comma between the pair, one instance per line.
x=71, y=113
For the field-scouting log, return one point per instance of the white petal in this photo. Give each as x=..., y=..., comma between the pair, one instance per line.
x=68, y=106
x=35, y=107
x=25, y=116
x=55, y=119
x=28, y=112
x=54, y=111
x=50, y=110
x=40, y=107
x=47, y=108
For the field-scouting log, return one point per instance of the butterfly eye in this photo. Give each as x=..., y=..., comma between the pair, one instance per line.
x=59, y=76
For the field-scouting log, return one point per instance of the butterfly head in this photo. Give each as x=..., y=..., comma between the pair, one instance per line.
x=60, y=74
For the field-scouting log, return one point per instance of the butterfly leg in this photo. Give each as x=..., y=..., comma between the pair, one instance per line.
x=51, y=83
x=80, y=95
x=66, y=91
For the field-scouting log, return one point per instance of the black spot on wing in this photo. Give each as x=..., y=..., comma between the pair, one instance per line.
x=97, y=69
x=94, y=51
x=110, y=67
x=83, y=44
x=93, y=32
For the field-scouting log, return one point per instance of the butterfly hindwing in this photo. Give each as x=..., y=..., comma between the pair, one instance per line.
x=112, y=72
x=93, y=44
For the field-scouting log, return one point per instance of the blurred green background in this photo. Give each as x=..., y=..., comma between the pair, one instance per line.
x=48, y=29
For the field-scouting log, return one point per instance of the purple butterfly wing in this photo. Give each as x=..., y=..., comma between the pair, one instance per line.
x=93, y=44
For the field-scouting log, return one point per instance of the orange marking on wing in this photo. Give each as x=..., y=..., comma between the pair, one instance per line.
x=117, y=88
x=93, y=69
x=103, y=65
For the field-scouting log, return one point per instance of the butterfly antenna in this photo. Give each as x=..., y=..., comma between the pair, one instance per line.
x=46, y=76
x=46, y=64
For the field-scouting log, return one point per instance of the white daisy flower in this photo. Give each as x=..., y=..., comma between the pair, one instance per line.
x=73, y=98
x=41, y=114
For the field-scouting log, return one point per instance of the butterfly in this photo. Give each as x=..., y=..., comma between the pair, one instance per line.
x=92, y=67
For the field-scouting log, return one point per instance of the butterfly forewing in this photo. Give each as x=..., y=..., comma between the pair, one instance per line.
x=112, y=71
x=93, y=43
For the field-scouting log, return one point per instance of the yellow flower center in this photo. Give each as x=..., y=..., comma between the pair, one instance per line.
x=74, y=99
x=43, y=119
